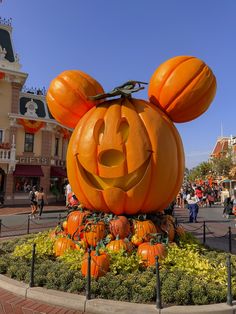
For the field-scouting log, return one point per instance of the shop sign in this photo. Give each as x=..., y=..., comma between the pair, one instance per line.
x=33, y=160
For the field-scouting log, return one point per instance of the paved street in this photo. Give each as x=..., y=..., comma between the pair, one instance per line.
x=217, y=227
x=14, y=221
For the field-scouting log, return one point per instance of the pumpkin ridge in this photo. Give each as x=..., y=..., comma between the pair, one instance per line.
x=150, y=181
x=62, y=105
x=180, y=92
x=199, y=101
x=85, y=101
x=75, y=160
x=164, y=81
x=90, y=80
x=147, y=191
x=180, y=157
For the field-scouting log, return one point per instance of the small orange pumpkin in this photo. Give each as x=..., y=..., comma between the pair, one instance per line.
x=62, y=244
x=148, y=251
x=183, y=87
x=94, y=232
x=119, y=226
x=144, y=229
x=76, y=222
x=117, y=245
x=100, y=264
x=67, y=96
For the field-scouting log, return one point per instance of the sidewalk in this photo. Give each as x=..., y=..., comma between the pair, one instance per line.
x=216, y=227
x=25, y=209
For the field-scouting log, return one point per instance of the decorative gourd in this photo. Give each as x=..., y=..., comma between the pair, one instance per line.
x=119, y=226
x=117, y=245
x=67, y=96
x=180, y=231
x=148, y=251
x=76, y=222
x=144, y=229
x=62, y=244
x=99, y=264
x=167, y=226
x=136, y=240
x=65, y=226
x=81, y=245
x=183, y=87
x=72, y=200
x=117, y=157
x=94, y=232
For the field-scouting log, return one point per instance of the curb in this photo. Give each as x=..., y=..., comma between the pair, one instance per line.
x=102, y=306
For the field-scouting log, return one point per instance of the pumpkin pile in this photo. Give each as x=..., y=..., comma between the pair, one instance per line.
x=125, y=157
x=102, y=233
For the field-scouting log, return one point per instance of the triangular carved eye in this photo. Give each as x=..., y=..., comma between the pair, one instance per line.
x=123, y=129
x=98, y=132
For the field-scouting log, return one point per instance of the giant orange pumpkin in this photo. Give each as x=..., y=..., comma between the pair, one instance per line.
x=126, y=157
x=183, y=87
x=67, y=96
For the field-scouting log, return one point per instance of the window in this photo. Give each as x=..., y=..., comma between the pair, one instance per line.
x=1, y=136
x=29, y=142
x=56, y=146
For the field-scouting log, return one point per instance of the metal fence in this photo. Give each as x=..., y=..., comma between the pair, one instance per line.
x=29, y=225
x=229, y=299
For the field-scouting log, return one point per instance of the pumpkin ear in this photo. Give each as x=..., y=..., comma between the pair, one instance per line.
x=67, y=96
x=183, y=87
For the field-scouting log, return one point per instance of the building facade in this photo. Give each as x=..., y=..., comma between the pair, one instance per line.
x=32, y=144
x=224, y=146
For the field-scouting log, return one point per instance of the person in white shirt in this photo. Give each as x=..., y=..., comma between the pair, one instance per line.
x=193, y=207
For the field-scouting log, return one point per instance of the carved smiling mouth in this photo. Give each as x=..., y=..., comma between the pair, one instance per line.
x=125, y=182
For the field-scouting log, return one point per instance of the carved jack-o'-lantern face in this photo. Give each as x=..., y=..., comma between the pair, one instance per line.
x=125, y=157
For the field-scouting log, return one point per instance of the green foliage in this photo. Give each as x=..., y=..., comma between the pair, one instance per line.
x=44, y=246
x=191, y=274
x=122, y=262
x=72, y=258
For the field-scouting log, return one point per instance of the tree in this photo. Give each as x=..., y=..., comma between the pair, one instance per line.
x=200, y=172
x=222, y=166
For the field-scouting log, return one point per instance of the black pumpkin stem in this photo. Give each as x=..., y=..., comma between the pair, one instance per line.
x=124, y=90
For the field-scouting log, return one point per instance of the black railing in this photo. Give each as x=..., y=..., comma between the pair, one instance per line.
x=229, y=297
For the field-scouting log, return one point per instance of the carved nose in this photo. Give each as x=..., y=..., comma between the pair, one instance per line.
x=111, y=157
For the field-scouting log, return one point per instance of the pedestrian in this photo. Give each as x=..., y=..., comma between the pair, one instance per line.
x=68, y=190
x=228, y=207
x=41, y=199
x=33, y=202
x=233, y=199
x=192, y=201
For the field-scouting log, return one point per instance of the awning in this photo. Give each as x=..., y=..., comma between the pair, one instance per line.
x=58, y=172
x=28, y=171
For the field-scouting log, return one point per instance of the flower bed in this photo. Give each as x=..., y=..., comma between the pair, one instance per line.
x=190, y=274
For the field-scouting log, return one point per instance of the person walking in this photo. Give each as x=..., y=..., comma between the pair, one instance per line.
x=41, y=199
x=193, y=207
x=33, y=202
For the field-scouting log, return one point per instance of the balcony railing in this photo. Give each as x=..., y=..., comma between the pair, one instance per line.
x=5, y=155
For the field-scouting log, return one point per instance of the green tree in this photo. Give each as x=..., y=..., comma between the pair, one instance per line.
x=222, y=166
x=200, y=172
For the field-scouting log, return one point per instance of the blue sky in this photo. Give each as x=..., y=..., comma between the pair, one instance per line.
x=118, y=40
